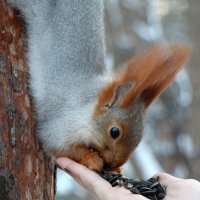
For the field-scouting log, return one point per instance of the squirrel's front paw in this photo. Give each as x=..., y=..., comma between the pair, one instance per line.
x=92, y=161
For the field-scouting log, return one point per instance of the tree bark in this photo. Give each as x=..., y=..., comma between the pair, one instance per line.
x=25, y=172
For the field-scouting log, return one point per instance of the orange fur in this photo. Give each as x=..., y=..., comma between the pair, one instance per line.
x=83, y=155
x=153, y=72
x=150, y=72
x=105, y=96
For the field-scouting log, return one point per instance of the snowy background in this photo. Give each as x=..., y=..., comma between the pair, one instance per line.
x=172, y=141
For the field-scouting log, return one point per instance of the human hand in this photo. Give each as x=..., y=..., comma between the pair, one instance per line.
x=177, y=188
x=96, y=185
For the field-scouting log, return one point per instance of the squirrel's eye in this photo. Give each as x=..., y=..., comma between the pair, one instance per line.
x=114, y=132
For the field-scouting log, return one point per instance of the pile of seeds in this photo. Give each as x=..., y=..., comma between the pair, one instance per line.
x=150, y=188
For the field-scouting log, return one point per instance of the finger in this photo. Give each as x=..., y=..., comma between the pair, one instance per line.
x=166, y=179
x=87, y=178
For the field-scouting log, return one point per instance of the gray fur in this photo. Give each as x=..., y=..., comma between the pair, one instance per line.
x=66, y=57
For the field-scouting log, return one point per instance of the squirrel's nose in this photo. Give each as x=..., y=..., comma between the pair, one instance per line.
x=107, y=166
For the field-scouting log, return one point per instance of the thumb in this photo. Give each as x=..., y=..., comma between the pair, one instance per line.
x=85, y=177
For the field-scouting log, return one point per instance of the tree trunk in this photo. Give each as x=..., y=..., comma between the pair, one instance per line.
x=25, y=172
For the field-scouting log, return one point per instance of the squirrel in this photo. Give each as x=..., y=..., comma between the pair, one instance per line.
x=80, y=112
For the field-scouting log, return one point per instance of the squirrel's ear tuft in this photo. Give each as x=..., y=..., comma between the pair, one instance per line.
x=153, y=71
x=145, y=77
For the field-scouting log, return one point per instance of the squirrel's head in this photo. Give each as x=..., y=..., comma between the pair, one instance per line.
x=118, y=115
